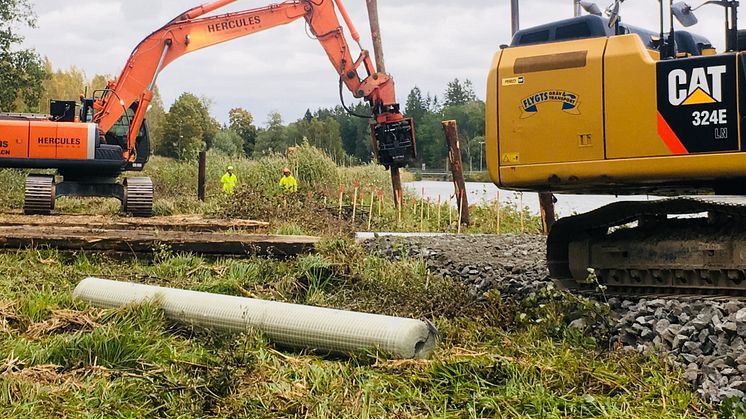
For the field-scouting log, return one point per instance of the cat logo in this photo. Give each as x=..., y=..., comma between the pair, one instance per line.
x=703, y=85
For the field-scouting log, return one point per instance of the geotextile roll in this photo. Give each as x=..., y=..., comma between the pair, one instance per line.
x=285, y=324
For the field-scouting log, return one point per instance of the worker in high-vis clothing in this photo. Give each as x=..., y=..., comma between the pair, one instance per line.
x=229, y=180
x=288, y=182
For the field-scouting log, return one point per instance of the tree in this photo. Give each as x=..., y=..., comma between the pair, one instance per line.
x=416, y=107
x=21, y=71
x=210, y=126
x=322, y=133
x=156, y=117
x=61, y=85
x=355, y=131
x=228, y=142
x=458, y=93
x=188, y=125
x=241, y=122
x=470, y=120
x=272, y=138
x=99, y=82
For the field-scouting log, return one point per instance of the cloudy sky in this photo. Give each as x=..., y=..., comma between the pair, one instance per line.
x=427, y=44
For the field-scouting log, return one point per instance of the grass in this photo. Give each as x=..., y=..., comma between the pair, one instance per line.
x=496, y=357
x=132, y=362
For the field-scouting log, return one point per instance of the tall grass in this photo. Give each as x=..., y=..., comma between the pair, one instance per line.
x=315, y=209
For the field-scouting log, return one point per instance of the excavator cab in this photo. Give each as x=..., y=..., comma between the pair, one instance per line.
x=115, y=141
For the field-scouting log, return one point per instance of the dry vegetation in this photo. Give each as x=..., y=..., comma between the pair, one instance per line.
x=313, y=210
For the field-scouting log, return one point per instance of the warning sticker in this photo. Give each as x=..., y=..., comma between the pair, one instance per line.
x=513, y=81
x=510, y=158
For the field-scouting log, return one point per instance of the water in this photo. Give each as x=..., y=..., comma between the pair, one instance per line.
x=483, y=192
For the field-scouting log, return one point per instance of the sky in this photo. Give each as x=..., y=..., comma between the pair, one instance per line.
x=427, y=43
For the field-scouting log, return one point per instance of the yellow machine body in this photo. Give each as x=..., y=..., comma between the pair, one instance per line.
x=604, y=115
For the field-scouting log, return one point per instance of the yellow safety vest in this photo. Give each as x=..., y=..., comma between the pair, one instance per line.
x=288, y=184
x=229, y=182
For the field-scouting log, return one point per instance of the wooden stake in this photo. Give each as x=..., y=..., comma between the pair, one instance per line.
x=458, y=231
x=438, y=213
x=201, y=177
x=398, y=199
x=396, y=185
x=428, y=208
x=450, y=211
x=354, y=202
x=370, y=212
x=380, y=202
x=422, y=215
x=521, y=209
x=546, y=207
x=341, y=196
x=457, y=168
x=498, y=211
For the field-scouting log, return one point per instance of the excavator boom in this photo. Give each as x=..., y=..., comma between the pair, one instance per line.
x=191, y=31
x=110, y=136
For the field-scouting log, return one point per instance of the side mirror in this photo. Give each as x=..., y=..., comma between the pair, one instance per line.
x=591, y=8
x=683, y=13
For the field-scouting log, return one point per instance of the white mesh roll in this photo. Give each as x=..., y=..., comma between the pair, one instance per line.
x=292, y=325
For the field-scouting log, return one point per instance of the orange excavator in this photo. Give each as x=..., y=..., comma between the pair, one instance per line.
x=108, y=135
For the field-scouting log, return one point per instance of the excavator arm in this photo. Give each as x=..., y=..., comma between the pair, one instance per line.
x=392, y=135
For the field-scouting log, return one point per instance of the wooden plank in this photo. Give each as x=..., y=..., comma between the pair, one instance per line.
x=144, y=241
x=176, y=223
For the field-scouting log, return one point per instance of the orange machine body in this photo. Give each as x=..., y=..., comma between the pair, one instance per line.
x=22, y=139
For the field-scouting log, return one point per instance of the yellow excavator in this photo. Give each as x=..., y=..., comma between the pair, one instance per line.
x=592, y=105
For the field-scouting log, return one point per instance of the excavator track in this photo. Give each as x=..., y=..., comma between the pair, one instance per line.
x=138, y=196
x=39, y=195
x=689, y=246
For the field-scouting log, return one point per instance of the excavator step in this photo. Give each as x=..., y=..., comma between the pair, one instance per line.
x=39, y=195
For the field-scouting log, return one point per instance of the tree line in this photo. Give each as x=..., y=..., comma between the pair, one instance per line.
x=28, y=82
x=345, y=137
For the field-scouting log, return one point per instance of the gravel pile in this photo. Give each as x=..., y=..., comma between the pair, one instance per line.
x=706, y=338
x=513, y=264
